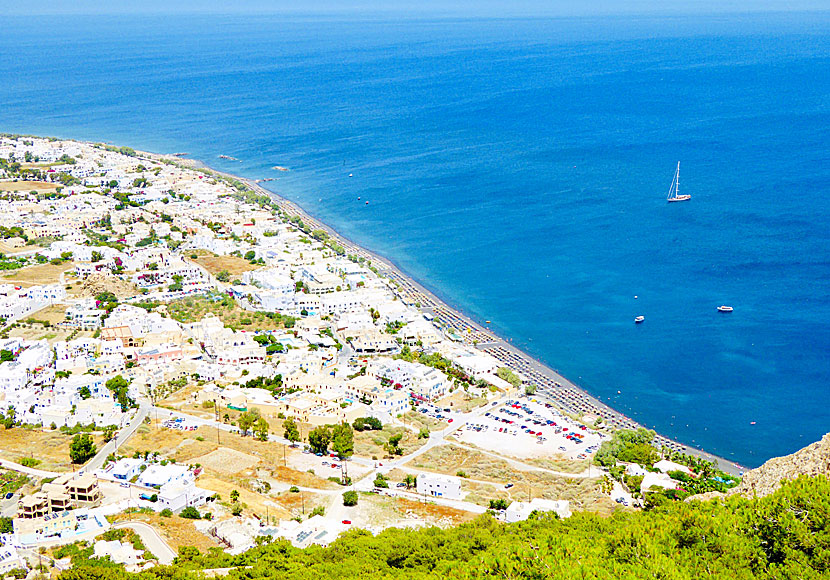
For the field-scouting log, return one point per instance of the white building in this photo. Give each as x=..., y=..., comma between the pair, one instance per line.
x=127, y=468
x=434, y=485
x=519, y=511
x=157, y=476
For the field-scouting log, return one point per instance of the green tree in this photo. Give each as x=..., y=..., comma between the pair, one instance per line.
x=119, y=386
x=393, y=445
x=85, y=392
x=319, y=438
x=6, y=525
x=82, y=448
x=291, y=432
x=342, y=441
x=350, y=498
x=498, y=504
x=508, y=375
x=6, y=355
x=190, y=513
x=367, y=424
x=109, y=432
x=247, y=420
x=261, y=429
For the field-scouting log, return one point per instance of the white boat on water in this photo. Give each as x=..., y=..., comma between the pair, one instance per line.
x=725, y=308
x=674, y=190
x=639, y=319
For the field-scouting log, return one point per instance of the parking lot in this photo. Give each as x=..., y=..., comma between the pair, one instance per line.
x=180, y=424
x=530, y=428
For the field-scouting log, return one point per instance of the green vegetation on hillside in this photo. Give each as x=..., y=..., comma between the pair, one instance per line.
x=785, y=535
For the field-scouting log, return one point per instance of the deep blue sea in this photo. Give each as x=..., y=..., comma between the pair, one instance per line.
x=519, y=169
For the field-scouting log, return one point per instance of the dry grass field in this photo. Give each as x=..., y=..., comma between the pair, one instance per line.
x=52, y=314
x=193, y=309
x=28, y=186
x=371, y=443
x=433, y=514
x=215, y=264
x=460, y=401
x=37, y=275
x=40, y=332
x=227, y=461
x=7, y=248
x=234, y=460
x=584, y=493
x=421, y=420
x=50, y=447
x=377, y=512
x=558, y=463
x=175, y=530
x=295, y=504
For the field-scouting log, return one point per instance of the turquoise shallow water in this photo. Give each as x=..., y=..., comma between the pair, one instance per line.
x=519, y=169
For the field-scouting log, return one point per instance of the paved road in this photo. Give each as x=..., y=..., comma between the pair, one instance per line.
x=124, y=434
x=11, y=465
x=152, y=541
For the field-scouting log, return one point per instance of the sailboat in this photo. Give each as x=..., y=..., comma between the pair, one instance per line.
x=674, y=190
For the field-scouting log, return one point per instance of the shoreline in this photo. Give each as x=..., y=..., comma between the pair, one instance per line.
x=549, y=383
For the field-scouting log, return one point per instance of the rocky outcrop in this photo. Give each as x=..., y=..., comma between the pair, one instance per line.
x=812, y=460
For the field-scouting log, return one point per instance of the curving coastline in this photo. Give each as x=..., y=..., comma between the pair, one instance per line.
x=549, y=383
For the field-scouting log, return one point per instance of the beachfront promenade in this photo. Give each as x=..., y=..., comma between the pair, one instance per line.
x=547, y=382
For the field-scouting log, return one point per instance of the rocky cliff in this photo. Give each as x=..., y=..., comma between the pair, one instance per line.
x=812, y=460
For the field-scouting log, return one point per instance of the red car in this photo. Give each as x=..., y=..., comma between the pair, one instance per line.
x=347, y=522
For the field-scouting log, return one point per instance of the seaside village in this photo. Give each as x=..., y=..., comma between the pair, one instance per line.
x=188, y=363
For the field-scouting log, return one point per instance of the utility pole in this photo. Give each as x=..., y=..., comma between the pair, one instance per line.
x=216, y=418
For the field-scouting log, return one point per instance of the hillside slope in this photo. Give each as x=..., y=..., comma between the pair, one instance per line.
x=812, y=460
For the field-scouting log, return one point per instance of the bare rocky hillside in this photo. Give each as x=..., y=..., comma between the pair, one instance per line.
x=812, y=460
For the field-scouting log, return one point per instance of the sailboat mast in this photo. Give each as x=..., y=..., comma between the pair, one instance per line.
x=677, y=181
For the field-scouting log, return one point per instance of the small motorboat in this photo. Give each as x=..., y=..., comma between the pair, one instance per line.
x=639, y=319
x=725, y=308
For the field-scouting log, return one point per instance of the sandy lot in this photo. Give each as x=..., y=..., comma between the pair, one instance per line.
x=227, y=460
x=371, y=443
x=51, y=334
x=215, y=264
x=52, y=314
x=39, y=274
x=461, y=402
x=28, y=186
x=449, y=459
x=177, y=531
x=50, y=447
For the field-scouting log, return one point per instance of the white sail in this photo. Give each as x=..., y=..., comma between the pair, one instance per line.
x=674, y=190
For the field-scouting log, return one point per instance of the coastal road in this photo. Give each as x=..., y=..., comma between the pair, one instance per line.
x=569, y=398
x=152, y=540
